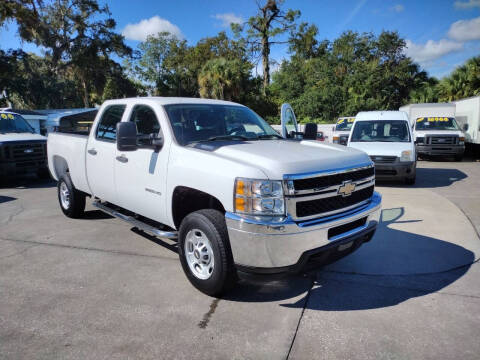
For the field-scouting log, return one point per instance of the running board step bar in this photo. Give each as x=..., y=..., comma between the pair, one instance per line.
x=173, y=235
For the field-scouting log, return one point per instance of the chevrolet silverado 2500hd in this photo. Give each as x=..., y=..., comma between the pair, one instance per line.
x=218, y=179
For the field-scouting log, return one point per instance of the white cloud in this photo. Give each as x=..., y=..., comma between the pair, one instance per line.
x=152, y=26
x=398, y=8
x=465, y=30
x=470, y=4
x=228, y=18
x=431, y=50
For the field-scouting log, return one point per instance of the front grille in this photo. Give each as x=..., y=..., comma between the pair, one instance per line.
x=383, y=159
x=328, y=204
x=338, y=230
x=26, y=152
x=441, y=140
x=386, y=172
x=330, y=180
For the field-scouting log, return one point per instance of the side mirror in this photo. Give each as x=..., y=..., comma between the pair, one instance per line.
x=465, y=127
x=126, y=136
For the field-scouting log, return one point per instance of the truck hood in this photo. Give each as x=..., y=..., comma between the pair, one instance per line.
x=280, y=157
x=21, y=137
x=382, y=148
x=422, y=133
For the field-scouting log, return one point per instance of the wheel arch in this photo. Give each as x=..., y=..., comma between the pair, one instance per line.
x=186, y=200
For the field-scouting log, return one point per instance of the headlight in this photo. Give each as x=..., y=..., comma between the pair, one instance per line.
x=406, y=156
x=461, y=141
x=259, y=197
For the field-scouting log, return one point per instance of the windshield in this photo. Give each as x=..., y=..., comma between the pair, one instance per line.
x=381, y=131
x=13, y=123
x=436, y=123
x=344, y=124
x=205, y=122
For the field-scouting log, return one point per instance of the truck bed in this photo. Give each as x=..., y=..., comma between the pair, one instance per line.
x=69, y=148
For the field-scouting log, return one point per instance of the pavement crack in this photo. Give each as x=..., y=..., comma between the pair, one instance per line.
x=117, y=252
x=19, y=252
x=206, y=318
x=307, y=297
x=11, y=216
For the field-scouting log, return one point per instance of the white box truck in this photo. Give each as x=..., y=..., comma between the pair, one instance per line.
x=435, y=129
x=468, y=116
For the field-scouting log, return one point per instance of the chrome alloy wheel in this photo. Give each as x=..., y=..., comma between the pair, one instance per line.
x=64, y=196
x=199, y=254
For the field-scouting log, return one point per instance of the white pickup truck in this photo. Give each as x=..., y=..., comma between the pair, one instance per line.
x=218, y=179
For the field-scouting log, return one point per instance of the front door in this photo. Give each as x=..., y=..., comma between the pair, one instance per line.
x=100, y=157
x=288, y=121
x=141, y=175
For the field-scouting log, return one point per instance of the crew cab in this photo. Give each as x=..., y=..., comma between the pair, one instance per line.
x=387, y=138
x=22, y=151
x=215, y=177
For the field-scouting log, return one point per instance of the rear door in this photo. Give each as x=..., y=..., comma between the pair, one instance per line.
x=288, y=121
x=141, y=175
x=100, y=157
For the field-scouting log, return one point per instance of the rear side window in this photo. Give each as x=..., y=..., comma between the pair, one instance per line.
x=107, y=126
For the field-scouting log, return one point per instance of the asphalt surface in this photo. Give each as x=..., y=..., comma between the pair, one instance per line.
x=96, y=288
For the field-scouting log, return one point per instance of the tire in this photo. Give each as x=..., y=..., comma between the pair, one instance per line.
x=458, y=157
x=211, y=269
x=74, y=207
x=410, y=181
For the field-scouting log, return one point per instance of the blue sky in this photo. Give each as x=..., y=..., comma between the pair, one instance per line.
x=441, y=34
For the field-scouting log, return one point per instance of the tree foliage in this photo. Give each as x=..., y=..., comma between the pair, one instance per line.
x=261, y=30
x=322, y=79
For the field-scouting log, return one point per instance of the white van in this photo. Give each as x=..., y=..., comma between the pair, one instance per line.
x=387, y=138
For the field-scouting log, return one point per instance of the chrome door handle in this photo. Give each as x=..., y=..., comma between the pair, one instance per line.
x=122, y=159
x=92, y=151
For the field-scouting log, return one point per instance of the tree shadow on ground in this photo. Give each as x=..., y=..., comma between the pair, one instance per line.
x=401, y=265
x=4, y=199
x=27, y=182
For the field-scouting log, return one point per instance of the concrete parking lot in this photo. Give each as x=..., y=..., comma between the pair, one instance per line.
x=96, y=288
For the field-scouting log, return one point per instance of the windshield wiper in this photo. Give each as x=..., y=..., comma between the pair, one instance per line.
x=227, y=137
x=269, y=136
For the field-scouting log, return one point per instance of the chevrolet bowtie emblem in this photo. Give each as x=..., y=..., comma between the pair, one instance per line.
x=346, y=189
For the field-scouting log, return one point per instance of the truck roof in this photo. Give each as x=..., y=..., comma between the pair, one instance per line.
x=381, y=115
x=429, y=105
x=171, y=100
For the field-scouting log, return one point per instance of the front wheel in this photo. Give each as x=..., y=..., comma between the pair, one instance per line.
x=72, y=201
x=205, y=253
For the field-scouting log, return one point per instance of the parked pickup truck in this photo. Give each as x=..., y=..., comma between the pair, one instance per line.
x=22, y=151
x=215, y=177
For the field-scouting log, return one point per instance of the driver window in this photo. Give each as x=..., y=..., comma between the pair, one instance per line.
x=146, y=120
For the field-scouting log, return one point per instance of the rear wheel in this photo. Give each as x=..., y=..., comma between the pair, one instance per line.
x=205, y=253
x=72, y=201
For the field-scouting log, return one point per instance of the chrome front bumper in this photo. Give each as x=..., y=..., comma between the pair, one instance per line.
x=269, y=244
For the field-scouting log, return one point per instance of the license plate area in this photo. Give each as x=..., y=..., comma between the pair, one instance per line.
x=341, y=229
